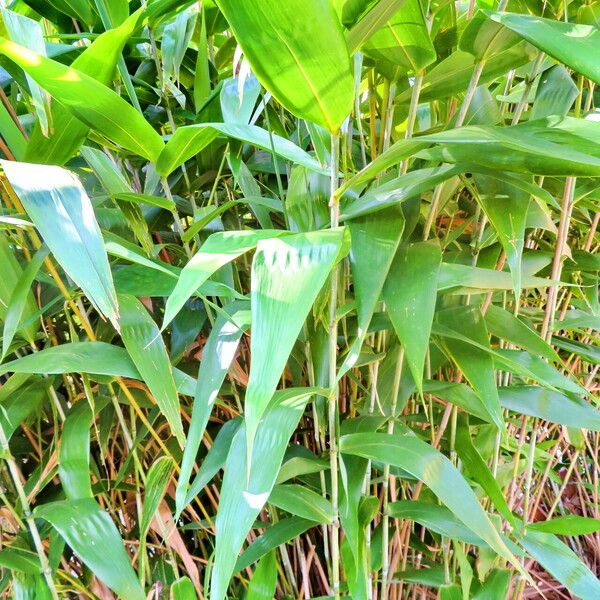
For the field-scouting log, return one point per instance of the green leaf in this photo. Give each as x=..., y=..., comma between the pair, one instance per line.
x=74, y=457
x=242, y=499
x=156, y=486
x=189, y=140
x=567, y=525
x=97, y=358
x=434, y=470
x=277, y=534
x=287, y=275
x=98, y=61
x=397, y=190
x=410, y=294
x=374, y=241
x=570, y=43
x=436, y=518
x=92, y=535
x=28, y=33
x=302, y=502
x=506, y=208
x=214, y=460
x=403, y=41
x=91, y=102
x=303, y=62
x=218, y=354
x=183, y=589
x=562, y=563
x=145, y=345
x=476, y=365
x=263, y=582
x=218, y=250
x=21, y=300
x=479, y=470
x=551, y=406
x=506, y=326
x=62, y=212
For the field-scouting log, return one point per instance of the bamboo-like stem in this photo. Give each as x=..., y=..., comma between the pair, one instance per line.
x=332, y=405
x=386, y=481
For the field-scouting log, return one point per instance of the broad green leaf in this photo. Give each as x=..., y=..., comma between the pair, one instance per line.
x=62, y=212
x=98, y=358
x=562, y=563
x=98, y=61
x=277, y=534
x=370, y=23
x=74, y=457
x=303, y=62
x=495, y=586
x=479, y=470
x=28, y=33
x=436, y=518
x=506, y=326
x=403, y=41
x=452, y=75
x=410, y=294
x=218, y=250
x=506, y=208
x=287, y=275
x=183, y=589
x=301, y=501
x=532, y=148
x=20, y=396
x=214, y=460
x=263, y=582
x=91, y=102
x=483, y=38
x=92, y=535
x=242, y=499
x=189, y=140
x=570, y=43
x=551, y=406
x=567, y=525
x=397, y=190
x=436, y=471
x=156, y=486
x=374, y=241
x=476, y=365
x=218, y=354
x=20, y=302
x=238, y=99
x=555, y=94
x=145, y=345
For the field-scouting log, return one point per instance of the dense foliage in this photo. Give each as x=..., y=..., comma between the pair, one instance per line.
x=299, y=299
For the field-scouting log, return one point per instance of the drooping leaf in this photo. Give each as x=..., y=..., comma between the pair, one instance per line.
x=98, y=61
x=436, y=471
x=562, y=563
x=242, y=499
x=304, y=62
x=21, y=300
x=62, y=212
x=74, y=459
x=156, y=485
x=145, y=345
x=374, y=241
x=287, y=275
x=189, y=140
x=302, y=502
x=570, y=43
x=89, y=101
x=218, y=355
x=476, y=365
x=92, y=535
x=410, y=295
x=218, y=250
x=263, y=582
